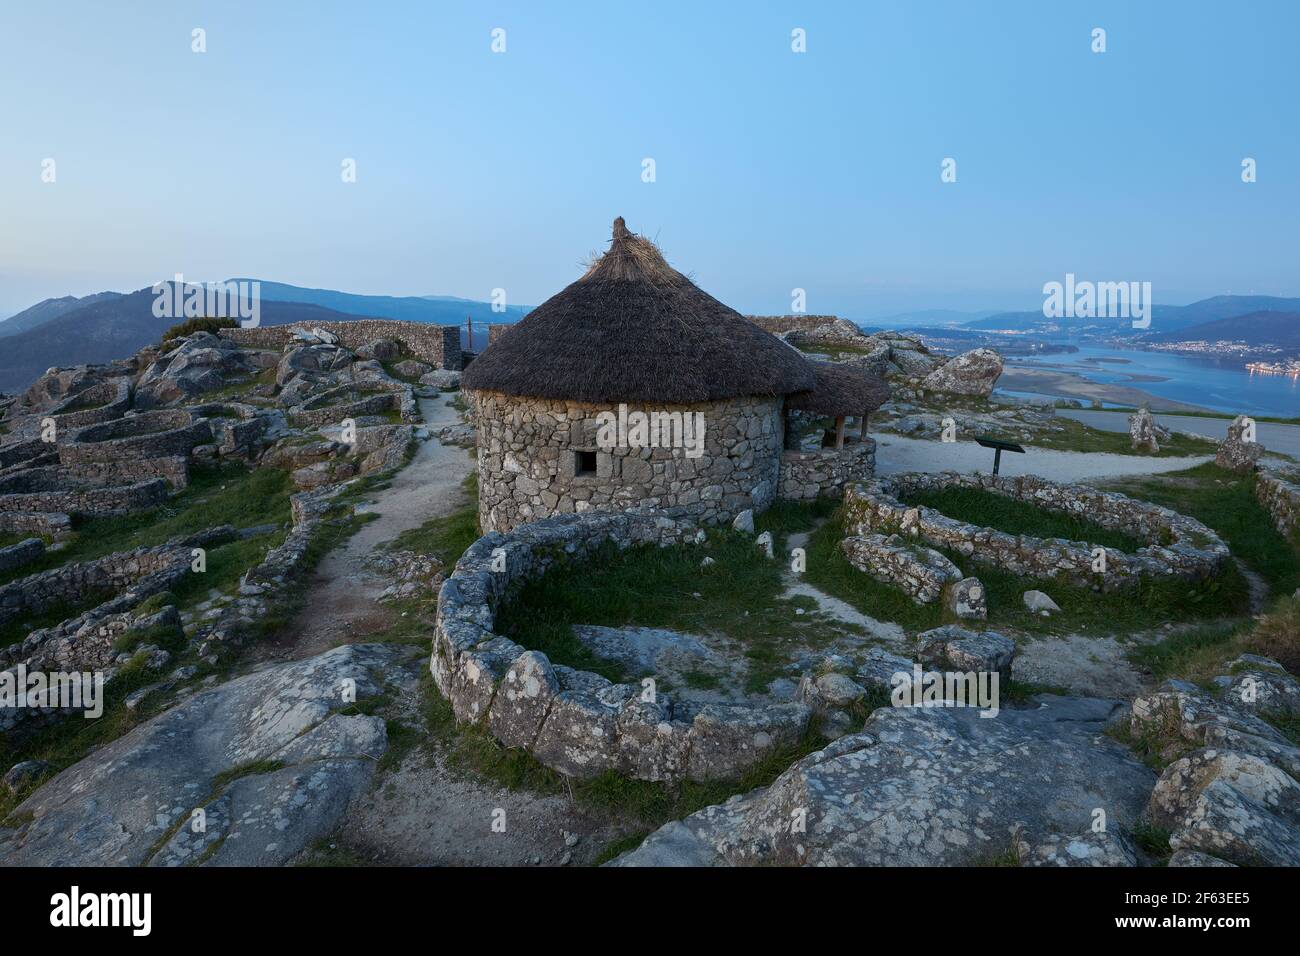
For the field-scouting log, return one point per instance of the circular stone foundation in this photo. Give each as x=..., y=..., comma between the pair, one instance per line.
x=1177, y=546
x=577, y=722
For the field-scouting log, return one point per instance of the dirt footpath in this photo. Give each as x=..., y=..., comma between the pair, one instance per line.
x=341, y=603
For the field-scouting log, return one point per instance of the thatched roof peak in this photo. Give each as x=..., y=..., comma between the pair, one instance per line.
x=634, y=329
x=632, y=258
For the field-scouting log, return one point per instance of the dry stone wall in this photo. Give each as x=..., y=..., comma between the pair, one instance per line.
x=825, y=472
x=576, y=722
x=920, y=571
x=529, y=467
x=439, y=345
x=54, y=524
x=102, y=402
x=780, y=324
x=1179, y=545
x=48, y=489
x=24, y=453
x=71, y=583
x=1281, y=499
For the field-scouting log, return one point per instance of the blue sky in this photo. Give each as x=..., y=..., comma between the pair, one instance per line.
x=775, y=170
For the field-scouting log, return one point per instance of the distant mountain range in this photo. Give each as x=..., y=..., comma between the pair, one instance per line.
x=1281, y=329
x=43, y=312
x=1219, y=318
x=436, y=309
x=928, y=317
x=112, y=325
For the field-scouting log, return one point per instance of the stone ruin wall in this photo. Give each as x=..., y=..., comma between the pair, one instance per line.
x=577, y=722
x=1281, y=499
x=1179, y=545
x=45, y=490
x=527, y=462
x=71, y=584
x=53, y=524
x=438, y=345
x=825, y=472
x=136, y=448
x=780, y=324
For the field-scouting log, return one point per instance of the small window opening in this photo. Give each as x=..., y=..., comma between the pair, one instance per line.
x=584, y=463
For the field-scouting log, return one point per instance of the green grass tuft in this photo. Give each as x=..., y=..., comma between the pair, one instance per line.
x=990, y=510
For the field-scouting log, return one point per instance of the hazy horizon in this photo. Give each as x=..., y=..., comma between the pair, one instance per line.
x=479, y=170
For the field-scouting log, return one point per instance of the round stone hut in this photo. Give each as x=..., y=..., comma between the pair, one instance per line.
x=631, y=389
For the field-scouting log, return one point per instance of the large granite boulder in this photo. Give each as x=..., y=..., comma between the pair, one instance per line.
x=930, y=787
x=971, y=373
x=314, y=362
x=201, y=363
x=267, y=757
x=908, y=356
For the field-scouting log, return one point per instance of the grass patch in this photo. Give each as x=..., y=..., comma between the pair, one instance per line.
x=1077, y=437
x=986, y=509
x=1202, y=653
x=1188, y=652
x=1150, y=603
x=790, y=517
x=1152, y=840
x=226, y=493
x=201, y=324
x=324, y=853
x=649, y=586
x=1225, y=502
x=701, y=680
x=616, y=848
x=227, y=777
x=170, y=637
x=18, y=537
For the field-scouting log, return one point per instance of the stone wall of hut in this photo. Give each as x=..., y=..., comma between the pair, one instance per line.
x=529, y=467
x=825, y=472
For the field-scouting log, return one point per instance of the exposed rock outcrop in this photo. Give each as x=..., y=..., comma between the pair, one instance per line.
x=267, y=757
x=971, y=373
x=1030, y=783
x=1231, y=790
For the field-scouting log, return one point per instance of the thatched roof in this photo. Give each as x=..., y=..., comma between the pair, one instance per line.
x=841, y=390
x=633, y=329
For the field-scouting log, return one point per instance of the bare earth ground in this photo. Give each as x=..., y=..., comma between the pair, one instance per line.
x=341, y=604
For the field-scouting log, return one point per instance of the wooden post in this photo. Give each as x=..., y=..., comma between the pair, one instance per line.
x=839, y=433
